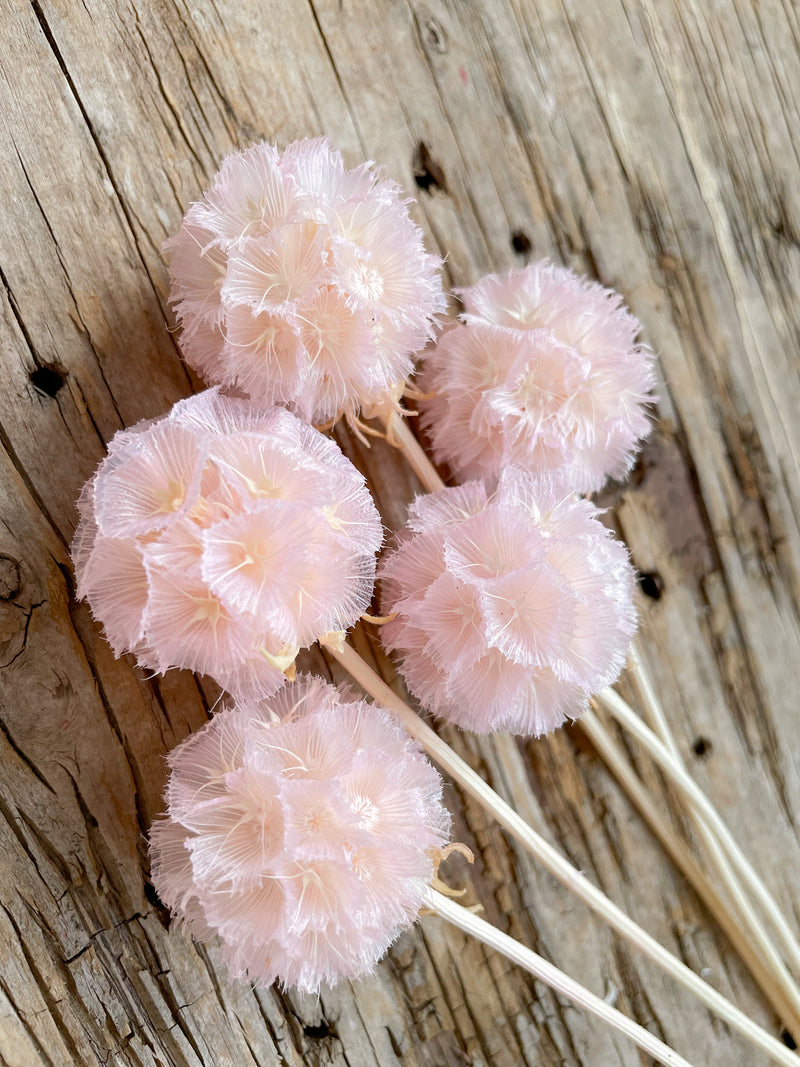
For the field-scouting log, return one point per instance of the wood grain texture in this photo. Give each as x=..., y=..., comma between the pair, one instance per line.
x=653, y=145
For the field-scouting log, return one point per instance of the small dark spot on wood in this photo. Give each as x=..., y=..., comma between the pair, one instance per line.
x=428, y=175
x=396, y=1048
x=319, y=1032
x=652, y=584
x=701, y=746
x=433, y=36
x=583, y=746
x=781, y=226
x=47, y=380
x=10, y=581
x=788, y=1040
x=520, y=242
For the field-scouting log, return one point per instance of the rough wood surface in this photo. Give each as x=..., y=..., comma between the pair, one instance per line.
x=652, y=144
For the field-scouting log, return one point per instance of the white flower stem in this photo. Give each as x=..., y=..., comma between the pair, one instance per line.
x=781, y=995
x=398, y=434
x=548, y=856
x=697, y=799
x=654, y=713
x=540, y=968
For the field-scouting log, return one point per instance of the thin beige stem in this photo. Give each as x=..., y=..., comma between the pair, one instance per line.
x=781, y=997
x=546, y=972
x=397, y=431
x=697, y=798
x=651, y=705
x=548, y=856
x=654, y=712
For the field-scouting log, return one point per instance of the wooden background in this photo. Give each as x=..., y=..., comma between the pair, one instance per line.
x=653, y=145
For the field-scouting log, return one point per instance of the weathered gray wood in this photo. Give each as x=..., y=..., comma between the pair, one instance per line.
x=652, y=144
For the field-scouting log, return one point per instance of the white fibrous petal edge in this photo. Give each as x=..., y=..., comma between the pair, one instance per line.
x=508, y=614
x=303, y=283
x=545, y=373
x=301, y=832
x=223, y=538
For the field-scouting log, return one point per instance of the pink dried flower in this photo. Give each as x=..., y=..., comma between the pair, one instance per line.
x=223, y=538
x=544, y=372
x=512, y=608
x=302, y=831
x=302, y=283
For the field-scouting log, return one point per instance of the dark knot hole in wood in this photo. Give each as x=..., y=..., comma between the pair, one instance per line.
x=651, y=584
x=520, y=242
x=47, y=379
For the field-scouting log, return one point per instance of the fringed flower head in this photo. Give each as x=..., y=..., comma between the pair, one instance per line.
x=511, y=608
x=302, y=831
x=223, y=538
x=302, y=283
x=543, y=372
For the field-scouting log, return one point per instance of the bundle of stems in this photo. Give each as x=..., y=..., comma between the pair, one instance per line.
x=545, y=853
x=732, y=890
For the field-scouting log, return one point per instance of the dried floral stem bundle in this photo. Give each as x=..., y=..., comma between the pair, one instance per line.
x=303, y=833
x=720, y=857
x=698, y=802
x=729, y=921
x=546, y=854
x=768, y=967
x=543, y=370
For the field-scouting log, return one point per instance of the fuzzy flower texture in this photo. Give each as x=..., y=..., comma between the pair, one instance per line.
x=511, y=608
x=302, y=283
x=222, y=538
x=543, y=372
x=302, y=831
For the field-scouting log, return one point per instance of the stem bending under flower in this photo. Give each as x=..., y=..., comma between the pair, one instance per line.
x=548, y=856
x=540, y=968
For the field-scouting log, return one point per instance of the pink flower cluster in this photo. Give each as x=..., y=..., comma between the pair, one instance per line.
x=223, y=537
x=302, y=831
x=302, y=283
x=512, y=608
x=543, y=372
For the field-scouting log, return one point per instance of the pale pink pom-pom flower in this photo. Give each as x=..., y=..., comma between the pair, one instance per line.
x=511, y=608
x=543, y=372
x=302, y=283
x=223, y=538
x=303, y=831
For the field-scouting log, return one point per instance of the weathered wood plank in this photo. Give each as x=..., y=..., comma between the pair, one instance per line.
x=652, y=144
